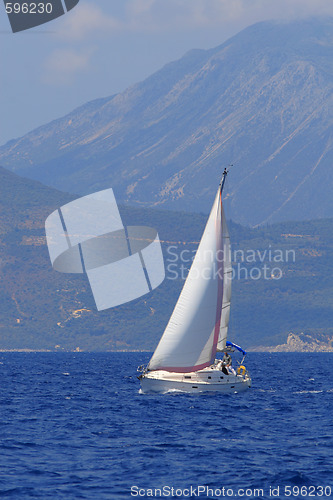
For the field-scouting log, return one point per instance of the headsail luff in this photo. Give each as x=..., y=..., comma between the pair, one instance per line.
x=198, y=323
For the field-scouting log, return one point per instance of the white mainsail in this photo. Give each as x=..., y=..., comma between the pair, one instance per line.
x=199, y=322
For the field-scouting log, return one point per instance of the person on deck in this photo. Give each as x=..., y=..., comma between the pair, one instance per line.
x=226, y=359
x=231, y=370
x=227, y=364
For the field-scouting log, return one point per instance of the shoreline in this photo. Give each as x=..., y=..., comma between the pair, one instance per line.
x=270, y=349
x=70, y=350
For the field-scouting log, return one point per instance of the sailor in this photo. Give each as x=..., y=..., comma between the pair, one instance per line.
x=227, y=365
x=227, y=359
x=231, y=370
x=222, y=366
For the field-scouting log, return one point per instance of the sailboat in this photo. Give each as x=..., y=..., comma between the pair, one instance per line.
x=186, y=358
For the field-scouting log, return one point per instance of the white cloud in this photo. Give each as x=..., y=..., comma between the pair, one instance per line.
x=63, y=65
x=292, y=9
x=85, y=20
x=88, y=23
x=180, y=14
x=154, y=16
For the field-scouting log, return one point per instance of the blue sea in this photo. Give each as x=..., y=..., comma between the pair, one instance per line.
x=74, y=426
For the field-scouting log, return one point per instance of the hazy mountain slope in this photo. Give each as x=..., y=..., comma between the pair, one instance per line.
x=41, y=308
x=262, y=100
x=25, y=203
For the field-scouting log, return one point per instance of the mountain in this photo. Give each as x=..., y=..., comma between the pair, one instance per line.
x=282, y=281
x=25, y=203
x=262, y=101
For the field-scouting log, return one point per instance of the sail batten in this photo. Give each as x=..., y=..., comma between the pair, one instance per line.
x=199, y=322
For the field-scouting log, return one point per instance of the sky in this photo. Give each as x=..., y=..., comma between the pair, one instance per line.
x=101, y=47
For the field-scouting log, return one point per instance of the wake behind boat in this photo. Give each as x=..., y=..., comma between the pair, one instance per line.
x=186, y=356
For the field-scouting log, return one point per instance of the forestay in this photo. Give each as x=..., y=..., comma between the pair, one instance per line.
x=199, y=323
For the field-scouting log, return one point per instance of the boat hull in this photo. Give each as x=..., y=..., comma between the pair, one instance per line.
x=209, y=380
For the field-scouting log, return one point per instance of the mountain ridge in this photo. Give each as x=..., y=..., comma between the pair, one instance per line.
x=263, y=101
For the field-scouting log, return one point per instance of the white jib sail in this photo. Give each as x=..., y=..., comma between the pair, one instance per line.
x=227, y=280
x=199, y=322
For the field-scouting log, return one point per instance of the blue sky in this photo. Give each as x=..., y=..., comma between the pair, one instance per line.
x=103, y=46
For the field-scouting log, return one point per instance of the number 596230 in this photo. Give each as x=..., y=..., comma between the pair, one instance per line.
x=28, y=8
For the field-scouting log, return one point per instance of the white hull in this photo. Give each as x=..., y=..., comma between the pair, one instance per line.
x=210, y=379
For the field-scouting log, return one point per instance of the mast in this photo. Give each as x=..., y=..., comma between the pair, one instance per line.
x=224, y=176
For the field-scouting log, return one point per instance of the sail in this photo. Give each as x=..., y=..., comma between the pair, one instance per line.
x=227, y=279
x=199, y=322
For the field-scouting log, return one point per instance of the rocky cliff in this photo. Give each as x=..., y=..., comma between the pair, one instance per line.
x=302, y=343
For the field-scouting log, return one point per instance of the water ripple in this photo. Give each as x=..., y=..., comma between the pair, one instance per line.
x=75, y=426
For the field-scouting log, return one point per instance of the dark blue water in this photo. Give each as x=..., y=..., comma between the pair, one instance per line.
x=73, y=426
